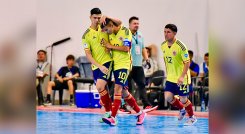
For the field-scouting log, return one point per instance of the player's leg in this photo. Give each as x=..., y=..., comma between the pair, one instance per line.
x=183, y=92
x=132, y=102
x=123, y=108
x=170, y=90
x=104, y=95
x=120, y=76
x=101, y=80
x=116, y=104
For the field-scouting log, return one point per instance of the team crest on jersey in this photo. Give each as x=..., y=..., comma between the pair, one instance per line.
x=185, y=55
x=174, y=53
x=121, y=38
x=94, y=37
x=110, y=38
x=139, y=36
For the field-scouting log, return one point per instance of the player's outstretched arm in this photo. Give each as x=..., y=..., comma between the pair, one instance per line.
x=114, y=47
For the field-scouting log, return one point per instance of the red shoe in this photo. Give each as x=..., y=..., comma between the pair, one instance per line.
x=149, y=108
x=141, y=118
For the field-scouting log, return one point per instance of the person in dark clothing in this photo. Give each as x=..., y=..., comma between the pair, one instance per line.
x=64, y=79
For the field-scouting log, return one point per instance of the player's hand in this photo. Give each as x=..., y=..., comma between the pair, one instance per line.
x=180, y=81
x=102, y=20
x=107, y=50
x=104, y=69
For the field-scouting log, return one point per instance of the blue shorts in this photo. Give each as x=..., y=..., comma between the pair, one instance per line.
x=100, y=75
x=182, y=90
x=121, y=77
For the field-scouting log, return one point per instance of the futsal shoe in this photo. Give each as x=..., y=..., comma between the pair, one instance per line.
x=190, y=121
x=106, y=115
x=181, y=114
x=141, y=118
x=150, y=108
x=111, y=121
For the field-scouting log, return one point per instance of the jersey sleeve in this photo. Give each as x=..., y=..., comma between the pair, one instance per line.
x=185, y=55
x=61, y=72
x=128, y=38
x=86, y=44
x=85, y=40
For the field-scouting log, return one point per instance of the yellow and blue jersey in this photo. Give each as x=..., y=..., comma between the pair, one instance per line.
x=174, y=58
x=91, y=41
x=121, y=59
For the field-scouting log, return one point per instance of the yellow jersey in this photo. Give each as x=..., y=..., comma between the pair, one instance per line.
x=91, y=41
x=121, y=59
x=174, y=58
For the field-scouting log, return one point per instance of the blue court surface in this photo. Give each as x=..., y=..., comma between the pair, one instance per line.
x=87, y=123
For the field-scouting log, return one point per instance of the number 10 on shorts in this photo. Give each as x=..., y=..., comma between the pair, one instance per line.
x=122, y=76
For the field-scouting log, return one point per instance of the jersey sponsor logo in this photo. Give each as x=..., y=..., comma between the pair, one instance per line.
x=94, y=37
x=185, y=55
x=139, y=36
x=126, y=42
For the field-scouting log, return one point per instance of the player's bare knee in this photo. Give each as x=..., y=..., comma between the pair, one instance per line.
x=183, y=99
x=168, y=96
x=99, y=87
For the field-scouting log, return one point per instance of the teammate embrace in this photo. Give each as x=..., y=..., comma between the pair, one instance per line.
x=107, y=46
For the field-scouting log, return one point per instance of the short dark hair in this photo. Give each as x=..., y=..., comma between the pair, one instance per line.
x=172, y=27
x=133, y=18
x=95, y=11
x=206, y=54
x=70, y=57
x=190, y=52
x=41, y=51
x=107, y=20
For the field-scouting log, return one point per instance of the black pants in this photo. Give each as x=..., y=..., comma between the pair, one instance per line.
x=39, y=93
x=137, y=74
